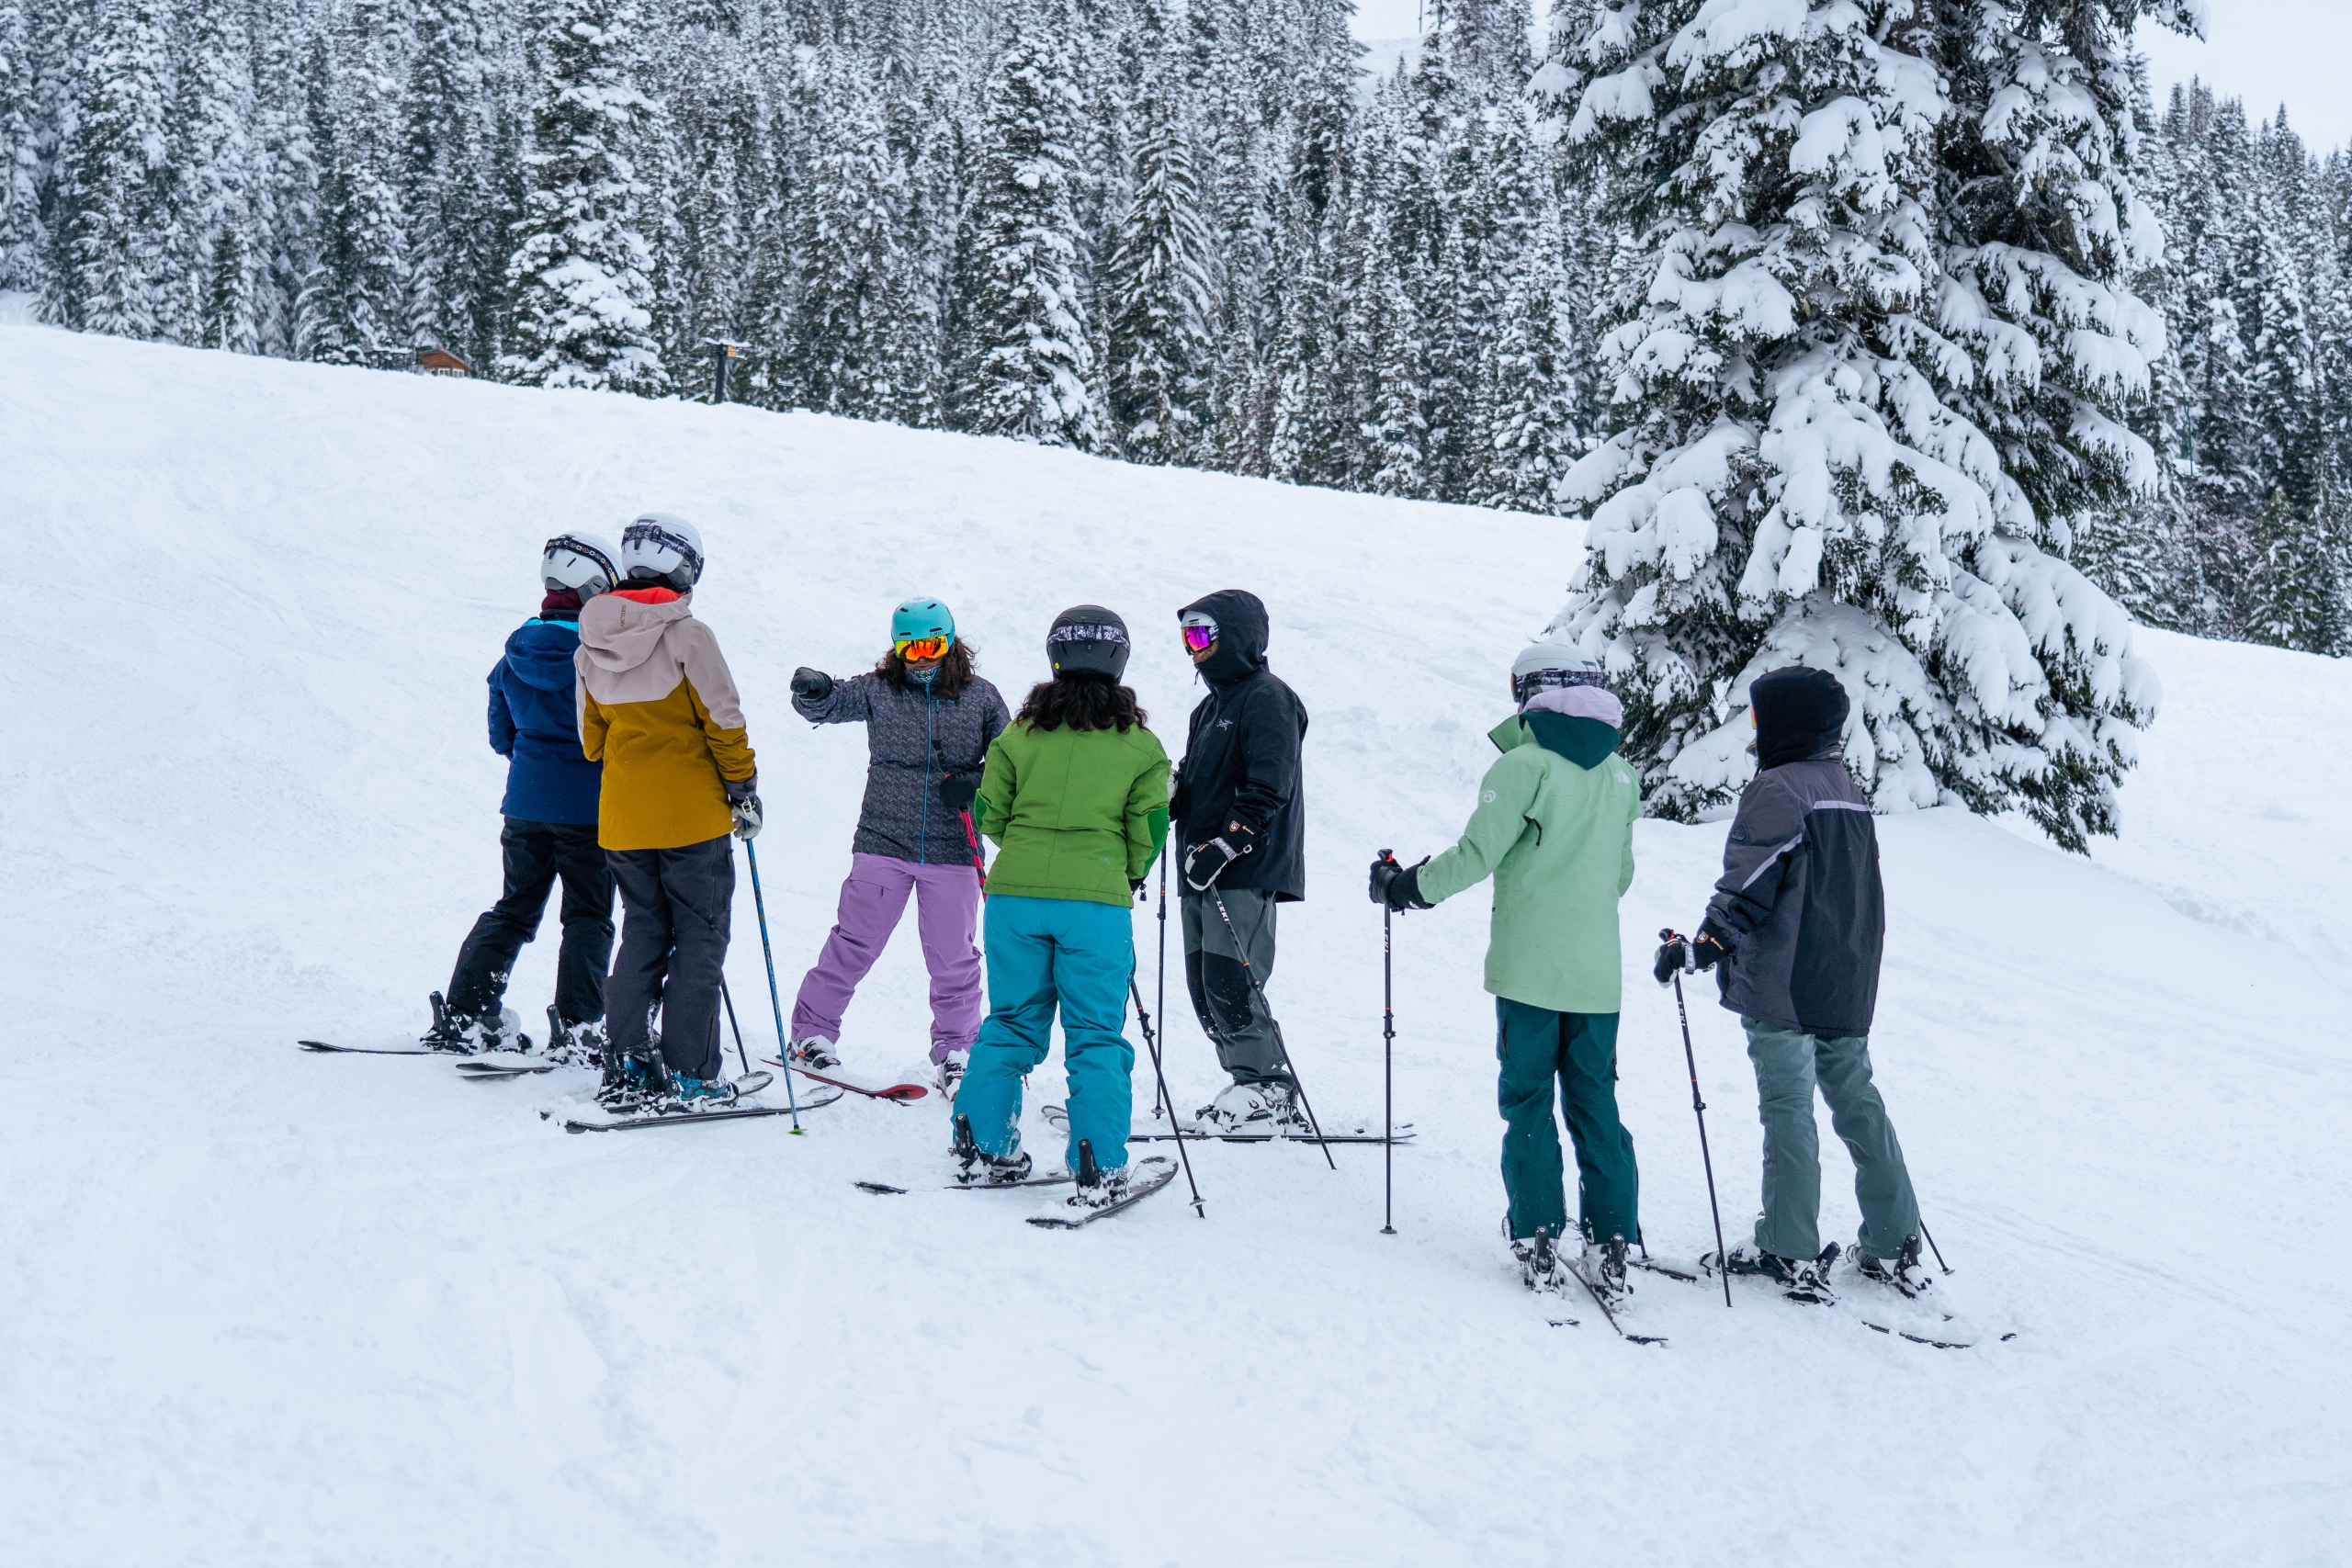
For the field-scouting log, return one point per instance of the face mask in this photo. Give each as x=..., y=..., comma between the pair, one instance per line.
x=922, y=677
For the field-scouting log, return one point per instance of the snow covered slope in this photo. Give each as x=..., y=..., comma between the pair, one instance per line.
x=262, y=1307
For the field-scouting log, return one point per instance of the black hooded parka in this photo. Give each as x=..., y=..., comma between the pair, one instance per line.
x=1241, y=755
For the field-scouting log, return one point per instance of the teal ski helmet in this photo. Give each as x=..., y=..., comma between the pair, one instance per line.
x=920, y=618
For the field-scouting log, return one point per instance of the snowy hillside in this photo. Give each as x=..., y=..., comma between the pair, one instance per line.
x=269, y=1308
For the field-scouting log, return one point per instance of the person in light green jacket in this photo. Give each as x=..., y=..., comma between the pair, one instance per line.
x=1075, y=793
x=1554, y=828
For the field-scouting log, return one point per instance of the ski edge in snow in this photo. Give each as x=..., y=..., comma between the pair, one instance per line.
x=1136, y=1194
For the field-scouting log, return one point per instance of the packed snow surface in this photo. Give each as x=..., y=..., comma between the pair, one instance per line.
x=266, y=1307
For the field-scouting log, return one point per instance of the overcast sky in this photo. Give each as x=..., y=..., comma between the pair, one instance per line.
x=2298, y=52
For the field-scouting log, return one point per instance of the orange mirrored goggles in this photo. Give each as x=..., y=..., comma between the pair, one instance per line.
x=921, y=648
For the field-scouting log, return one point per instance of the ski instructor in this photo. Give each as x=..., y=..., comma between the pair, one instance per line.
x=929, y=720
x=1242, y=851
x=658, y=707
x=1076, y=796
x=1554, y=828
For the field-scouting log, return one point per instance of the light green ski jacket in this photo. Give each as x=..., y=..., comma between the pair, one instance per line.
x=1557, y=837
x=1080, y=813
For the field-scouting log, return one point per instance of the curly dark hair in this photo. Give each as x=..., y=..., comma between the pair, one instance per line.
x=1083, y=699
x=956, y=670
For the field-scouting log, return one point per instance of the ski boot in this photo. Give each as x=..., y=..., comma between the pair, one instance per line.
x=698, y=1094
x=1905, y=1273
x=1539, y=1261
x=948, y=1074
x=977, y=1169
x=570, y=1044
x=1097, y=1188
x=814, y=1055
x=1269, y=1109
x=1800, y=1281
x=628, y=1084
x=1602, y=1269
x=451, y=1031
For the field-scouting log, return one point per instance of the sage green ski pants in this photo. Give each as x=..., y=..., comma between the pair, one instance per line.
x=1789, y=1065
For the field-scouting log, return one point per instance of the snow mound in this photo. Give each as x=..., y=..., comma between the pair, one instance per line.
x=266, y=1307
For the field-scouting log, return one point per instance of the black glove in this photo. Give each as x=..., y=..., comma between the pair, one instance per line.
x=960, y=789
x=1203, y=863
x=1712, y=945
x=1673, y=957
x=813, y=685
x=1401, y=891
x=1136, y=882
x=1384, y=870
x=743, y=805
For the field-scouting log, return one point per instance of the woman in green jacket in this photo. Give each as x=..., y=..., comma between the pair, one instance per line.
x=1554, y=828
x=1075, y=794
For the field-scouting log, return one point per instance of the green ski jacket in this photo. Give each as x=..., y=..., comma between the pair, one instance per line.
x=1554, y=828
x=1076, y=813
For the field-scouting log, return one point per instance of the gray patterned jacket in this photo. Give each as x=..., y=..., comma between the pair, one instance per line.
x=913, y=738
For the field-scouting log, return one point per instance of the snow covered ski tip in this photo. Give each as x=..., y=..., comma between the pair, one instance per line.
x=901, y=1091
x=368, y=1049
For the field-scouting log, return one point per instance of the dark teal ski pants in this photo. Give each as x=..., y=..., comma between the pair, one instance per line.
x=1048, y=954
x=1577, y=1051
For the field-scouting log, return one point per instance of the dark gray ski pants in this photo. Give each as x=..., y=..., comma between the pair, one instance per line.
x=1788, y=1067
x=1249, y=1042
x=535, y=854
x=674, y=947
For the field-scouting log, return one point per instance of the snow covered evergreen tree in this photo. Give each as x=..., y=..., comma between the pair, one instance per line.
x=1027, y=362
x=1790, y=487
x=116, y=234
x=444, y=193
x=1159, y=298
x=2295, y=597
x=24, y=239
x=847, y=243
x=354, y=306
x=1530, y=431
x=580, y=274
x=218, y=306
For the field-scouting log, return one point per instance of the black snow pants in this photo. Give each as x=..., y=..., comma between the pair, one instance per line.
x=674, y=946
x=537, y=854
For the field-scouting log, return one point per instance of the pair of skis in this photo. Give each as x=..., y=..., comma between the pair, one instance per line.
x=1150, y=1177
x=1057, y=1117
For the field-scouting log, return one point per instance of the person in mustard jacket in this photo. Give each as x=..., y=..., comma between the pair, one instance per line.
x=1554, y=828
x=659, y=708
x=1075, y=793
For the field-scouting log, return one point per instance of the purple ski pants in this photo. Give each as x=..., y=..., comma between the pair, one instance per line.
x=947, y=907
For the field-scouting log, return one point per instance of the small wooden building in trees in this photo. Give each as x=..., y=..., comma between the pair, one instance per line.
x=440, y=361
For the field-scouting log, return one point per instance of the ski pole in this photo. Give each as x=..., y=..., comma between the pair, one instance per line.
x=728, y=997
x=1933, y=1247
x=1387, y=1073
x=1151, y=1043
x=1699, y=1108
x=1387, y=1064
x=775, y=1003
x=1260, y=992
x=1161, y=1001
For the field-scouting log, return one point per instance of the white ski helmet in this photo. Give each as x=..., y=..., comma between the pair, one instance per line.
x=581, y=562
x=661, y=547
x=1552, y=664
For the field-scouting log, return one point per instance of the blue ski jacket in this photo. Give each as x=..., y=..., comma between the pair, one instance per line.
x=535, y=724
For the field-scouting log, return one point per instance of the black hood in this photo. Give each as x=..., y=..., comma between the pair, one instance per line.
x=1242, y=633
x=1800, y=714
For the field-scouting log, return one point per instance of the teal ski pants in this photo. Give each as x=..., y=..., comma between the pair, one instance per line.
x=1047, y=955
x=1577, y=1051
x=1789, y=1065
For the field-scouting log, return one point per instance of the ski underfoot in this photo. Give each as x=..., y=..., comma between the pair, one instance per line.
x=901, y=1093
x=1573, y=1269
x=1147, y=1177
x=1057, y=1117
x=1060, y=1179
x=486, y=1068
x=461, y=1058
x=1882, y=1313
x=729, y=1111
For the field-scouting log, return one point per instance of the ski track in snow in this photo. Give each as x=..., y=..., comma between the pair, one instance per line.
x=264, y=1308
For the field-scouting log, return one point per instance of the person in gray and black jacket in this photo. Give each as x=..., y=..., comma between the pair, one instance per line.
x=1794, y=932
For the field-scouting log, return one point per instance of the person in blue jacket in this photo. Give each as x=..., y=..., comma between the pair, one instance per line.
x=550, y=828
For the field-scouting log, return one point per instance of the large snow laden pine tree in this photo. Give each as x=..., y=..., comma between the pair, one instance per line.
x=581, y=274
x=1859, y=401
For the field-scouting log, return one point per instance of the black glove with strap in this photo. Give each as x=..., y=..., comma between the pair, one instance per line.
x=959, y=789
x=1713, y=946
x=813, y=685
x=1673, y=957
x=1203, y=863
x=1398, y=887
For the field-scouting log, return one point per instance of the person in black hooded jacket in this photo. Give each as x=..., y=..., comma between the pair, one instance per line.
x=1242, y=832
x=1794, y=934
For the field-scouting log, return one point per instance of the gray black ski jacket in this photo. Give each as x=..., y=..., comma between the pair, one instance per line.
x=1800, y=902
x=913, y=740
